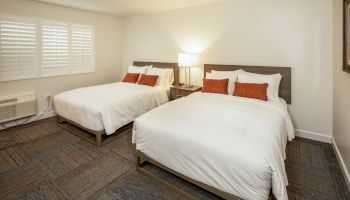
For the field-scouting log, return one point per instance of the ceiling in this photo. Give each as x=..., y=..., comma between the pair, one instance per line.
x=126, y=8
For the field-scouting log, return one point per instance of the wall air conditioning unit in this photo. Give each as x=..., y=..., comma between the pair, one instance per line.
x=17, y=107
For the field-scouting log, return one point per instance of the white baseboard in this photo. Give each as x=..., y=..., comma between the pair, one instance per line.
x=342, y=163
x=42, y=116
x=313, y=136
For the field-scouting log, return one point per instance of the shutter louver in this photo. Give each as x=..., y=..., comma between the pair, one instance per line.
x=55, y=49
x=82, y=49
x=18, y=49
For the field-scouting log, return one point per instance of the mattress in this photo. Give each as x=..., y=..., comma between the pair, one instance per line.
x=234, y=144
x=108, y=107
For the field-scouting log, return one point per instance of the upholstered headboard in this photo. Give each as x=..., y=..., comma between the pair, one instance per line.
x=163, y=65
x=285, y=90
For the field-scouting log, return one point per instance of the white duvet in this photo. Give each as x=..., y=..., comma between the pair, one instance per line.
x=108, y=107
x=234, y=144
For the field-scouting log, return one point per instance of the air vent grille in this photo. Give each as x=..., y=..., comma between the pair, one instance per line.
x=17, y=107
x=7, y=112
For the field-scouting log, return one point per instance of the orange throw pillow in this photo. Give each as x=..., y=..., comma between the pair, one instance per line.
x=131, y=78
x=215, y=86
x=251, y=90
x=149, y=80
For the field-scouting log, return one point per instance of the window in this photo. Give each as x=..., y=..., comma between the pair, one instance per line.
x=82, y=49
x=18, y=49
x=55, y=49
x=37, y=48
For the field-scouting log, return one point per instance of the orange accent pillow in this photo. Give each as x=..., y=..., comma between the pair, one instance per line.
x=149, y=80
x=251, y=90
x=215, y=86
x=131, y=78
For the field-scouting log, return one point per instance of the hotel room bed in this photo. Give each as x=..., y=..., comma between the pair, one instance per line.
x=107, y=109
x=234, y=145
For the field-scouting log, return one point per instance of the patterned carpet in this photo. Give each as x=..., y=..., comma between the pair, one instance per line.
x=42, y=161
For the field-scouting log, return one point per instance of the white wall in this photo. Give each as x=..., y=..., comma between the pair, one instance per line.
x=294, y=33
x=341, y=101
x=108, y=49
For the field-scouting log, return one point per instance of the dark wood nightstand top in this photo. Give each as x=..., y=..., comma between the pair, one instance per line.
x=192, y=89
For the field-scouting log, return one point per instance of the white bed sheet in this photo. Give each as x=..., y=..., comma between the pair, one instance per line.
x=108, y=107
x=234, y=144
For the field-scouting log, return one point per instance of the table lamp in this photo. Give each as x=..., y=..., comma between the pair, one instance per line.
x=187, y=60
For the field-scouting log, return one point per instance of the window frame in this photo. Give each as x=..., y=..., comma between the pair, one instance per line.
x=346, y=36
x=93, y=47
x=39, y=47
x=35, y=73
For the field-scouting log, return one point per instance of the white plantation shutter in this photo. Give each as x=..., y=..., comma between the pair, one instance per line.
x=18, y=49
x=55, y=49
x=82, y=49
x=33, y=48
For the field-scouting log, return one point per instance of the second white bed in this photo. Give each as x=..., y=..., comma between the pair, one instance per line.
x=234, y=144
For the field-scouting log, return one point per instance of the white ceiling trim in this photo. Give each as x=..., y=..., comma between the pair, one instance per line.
x=127, y=8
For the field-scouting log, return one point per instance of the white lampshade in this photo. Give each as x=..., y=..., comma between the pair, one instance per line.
x=187, y=60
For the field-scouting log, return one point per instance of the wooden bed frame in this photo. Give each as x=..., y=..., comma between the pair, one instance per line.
x=142, y=158
x=285, y=93
x=285, y=90
x=99, y=138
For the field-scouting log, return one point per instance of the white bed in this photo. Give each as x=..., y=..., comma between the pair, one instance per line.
x=108, y=107
x=234, y=144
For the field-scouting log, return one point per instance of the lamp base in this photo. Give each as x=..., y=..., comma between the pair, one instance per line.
x=187, y=86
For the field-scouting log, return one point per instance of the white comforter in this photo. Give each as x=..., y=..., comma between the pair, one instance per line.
x=108, y=107
x=234, y=144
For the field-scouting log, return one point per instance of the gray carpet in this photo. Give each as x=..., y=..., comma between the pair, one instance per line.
x=43, y=161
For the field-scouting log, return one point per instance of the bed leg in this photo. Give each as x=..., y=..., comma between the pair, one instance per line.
x=60, y=120
x=139, y=163
x=140, y=160
x=98, y=140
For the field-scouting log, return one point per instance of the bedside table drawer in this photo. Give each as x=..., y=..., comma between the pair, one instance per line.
x=178, y=92
x=175, y=94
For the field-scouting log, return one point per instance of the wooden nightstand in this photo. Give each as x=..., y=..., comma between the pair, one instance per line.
x=178, y=91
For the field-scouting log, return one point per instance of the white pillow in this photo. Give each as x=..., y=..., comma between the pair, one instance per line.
x=164, y=75
x=232, y=78
x=169, y=78
x=273, y=81
x=231, y=75
x=137, y=70
x=235, y=72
